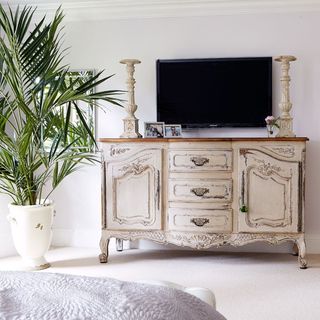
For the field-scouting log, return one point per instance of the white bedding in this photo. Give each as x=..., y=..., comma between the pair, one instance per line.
x=28, y=295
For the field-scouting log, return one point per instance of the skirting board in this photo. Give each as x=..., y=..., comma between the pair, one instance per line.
x=91, y=238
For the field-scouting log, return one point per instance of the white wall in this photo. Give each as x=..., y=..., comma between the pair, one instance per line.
x=101, y=44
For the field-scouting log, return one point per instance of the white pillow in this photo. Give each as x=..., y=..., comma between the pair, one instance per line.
x=203, y=294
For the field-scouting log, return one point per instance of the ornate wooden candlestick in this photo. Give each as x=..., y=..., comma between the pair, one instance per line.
x=285, y=123
x=131, y=123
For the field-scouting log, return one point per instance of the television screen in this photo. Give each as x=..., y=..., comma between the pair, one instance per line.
x=227, y=92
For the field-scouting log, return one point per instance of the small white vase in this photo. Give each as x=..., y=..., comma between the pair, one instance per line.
x=32, y=233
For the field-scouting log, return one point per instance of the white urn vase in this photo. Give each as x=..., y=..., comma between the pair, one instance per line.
x=32, y=233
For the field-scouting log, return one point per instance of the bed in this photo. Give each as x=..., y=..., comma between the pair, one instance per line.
x=46, y=296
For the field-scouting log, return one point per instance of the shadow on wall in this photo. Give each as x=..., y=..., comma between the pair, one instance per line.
x=285, y=247
x=134, y=255
x=312, y=188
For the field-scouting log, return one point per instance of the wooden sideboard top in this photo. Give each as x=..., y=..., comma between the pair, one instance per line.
x=126, y=140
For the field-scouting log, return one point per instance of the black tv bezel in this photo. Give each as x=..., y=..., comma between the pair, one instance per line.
x=224, y=124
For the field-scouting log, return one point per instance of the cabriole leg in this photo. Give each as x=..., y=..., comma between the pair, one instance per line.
x=103, y=257
x=302, y=252
x=119, y=244
x=295, y=250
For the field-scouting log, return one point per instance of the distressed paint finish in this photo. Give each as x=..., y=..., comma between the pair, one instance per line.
x=201, y=241
x=185, y=219
x=133, y=191
x=130, y=122
x=286, y=151
x=206, y=190
x=196, y=188
x=200, y=160
x=272, y=182
x=285, y=121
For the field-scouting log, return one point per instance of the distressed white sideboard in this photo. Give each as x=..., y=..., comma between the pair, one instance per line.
x=204, y=192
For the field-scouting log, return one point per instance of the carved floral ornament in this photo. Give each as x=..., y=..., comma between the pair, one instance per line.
x=115, y=151
x=266, y=168
x=135, y=168
x=203, y=241
x=130, y=125
x=284, y=151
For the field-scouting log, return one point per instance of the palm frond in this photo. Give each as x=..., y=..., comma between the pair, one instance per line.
x=38, y=141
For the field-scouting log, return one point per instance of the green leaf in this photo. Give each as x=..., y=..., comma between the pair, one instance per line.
x=40, y=143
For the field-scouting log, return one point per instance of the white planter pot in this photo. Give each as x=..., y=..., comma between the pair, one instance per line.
x=32, y=233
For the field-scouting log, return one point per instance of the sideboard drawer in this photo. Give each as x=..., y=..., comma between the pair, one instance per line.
x=200, y=190
x=200, y=160
x=200, y=220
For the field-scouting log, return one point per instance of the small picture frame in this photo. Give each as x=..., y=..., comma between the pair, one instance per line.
x=172, y=131
x=154, y=129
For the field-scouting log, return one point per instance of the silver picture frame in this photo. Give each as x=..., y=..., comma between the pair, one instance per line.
x=173, y=131
x=154, y=129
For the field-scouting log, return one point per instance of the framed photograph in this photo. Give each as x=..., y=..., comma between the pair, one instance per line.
x=154, y=129
x=172, y=130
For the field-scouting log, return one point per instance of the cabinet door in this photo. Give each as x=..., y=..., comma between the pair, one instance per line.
x=269, y=193
x=133, y=189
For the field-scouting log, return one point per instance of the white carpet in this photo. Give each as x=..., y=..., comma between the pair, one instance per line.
x=248, y=286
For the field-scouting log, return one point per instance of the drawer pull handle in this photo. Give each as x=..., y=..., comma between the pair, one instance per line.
x=199, y=222
x=199, y=192
x=199, y=161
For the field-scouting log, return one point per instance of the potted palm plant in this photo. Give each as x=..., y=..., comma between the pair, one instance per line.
x=39, y=145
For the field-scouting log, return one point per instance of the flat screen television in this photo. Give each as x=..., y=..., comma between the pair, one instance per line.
x=222, y=92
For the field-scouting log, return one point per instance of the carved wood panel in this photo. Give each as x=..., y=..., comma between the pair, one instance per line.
x=269, y=193
x=286, y=151
x=133, y=191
